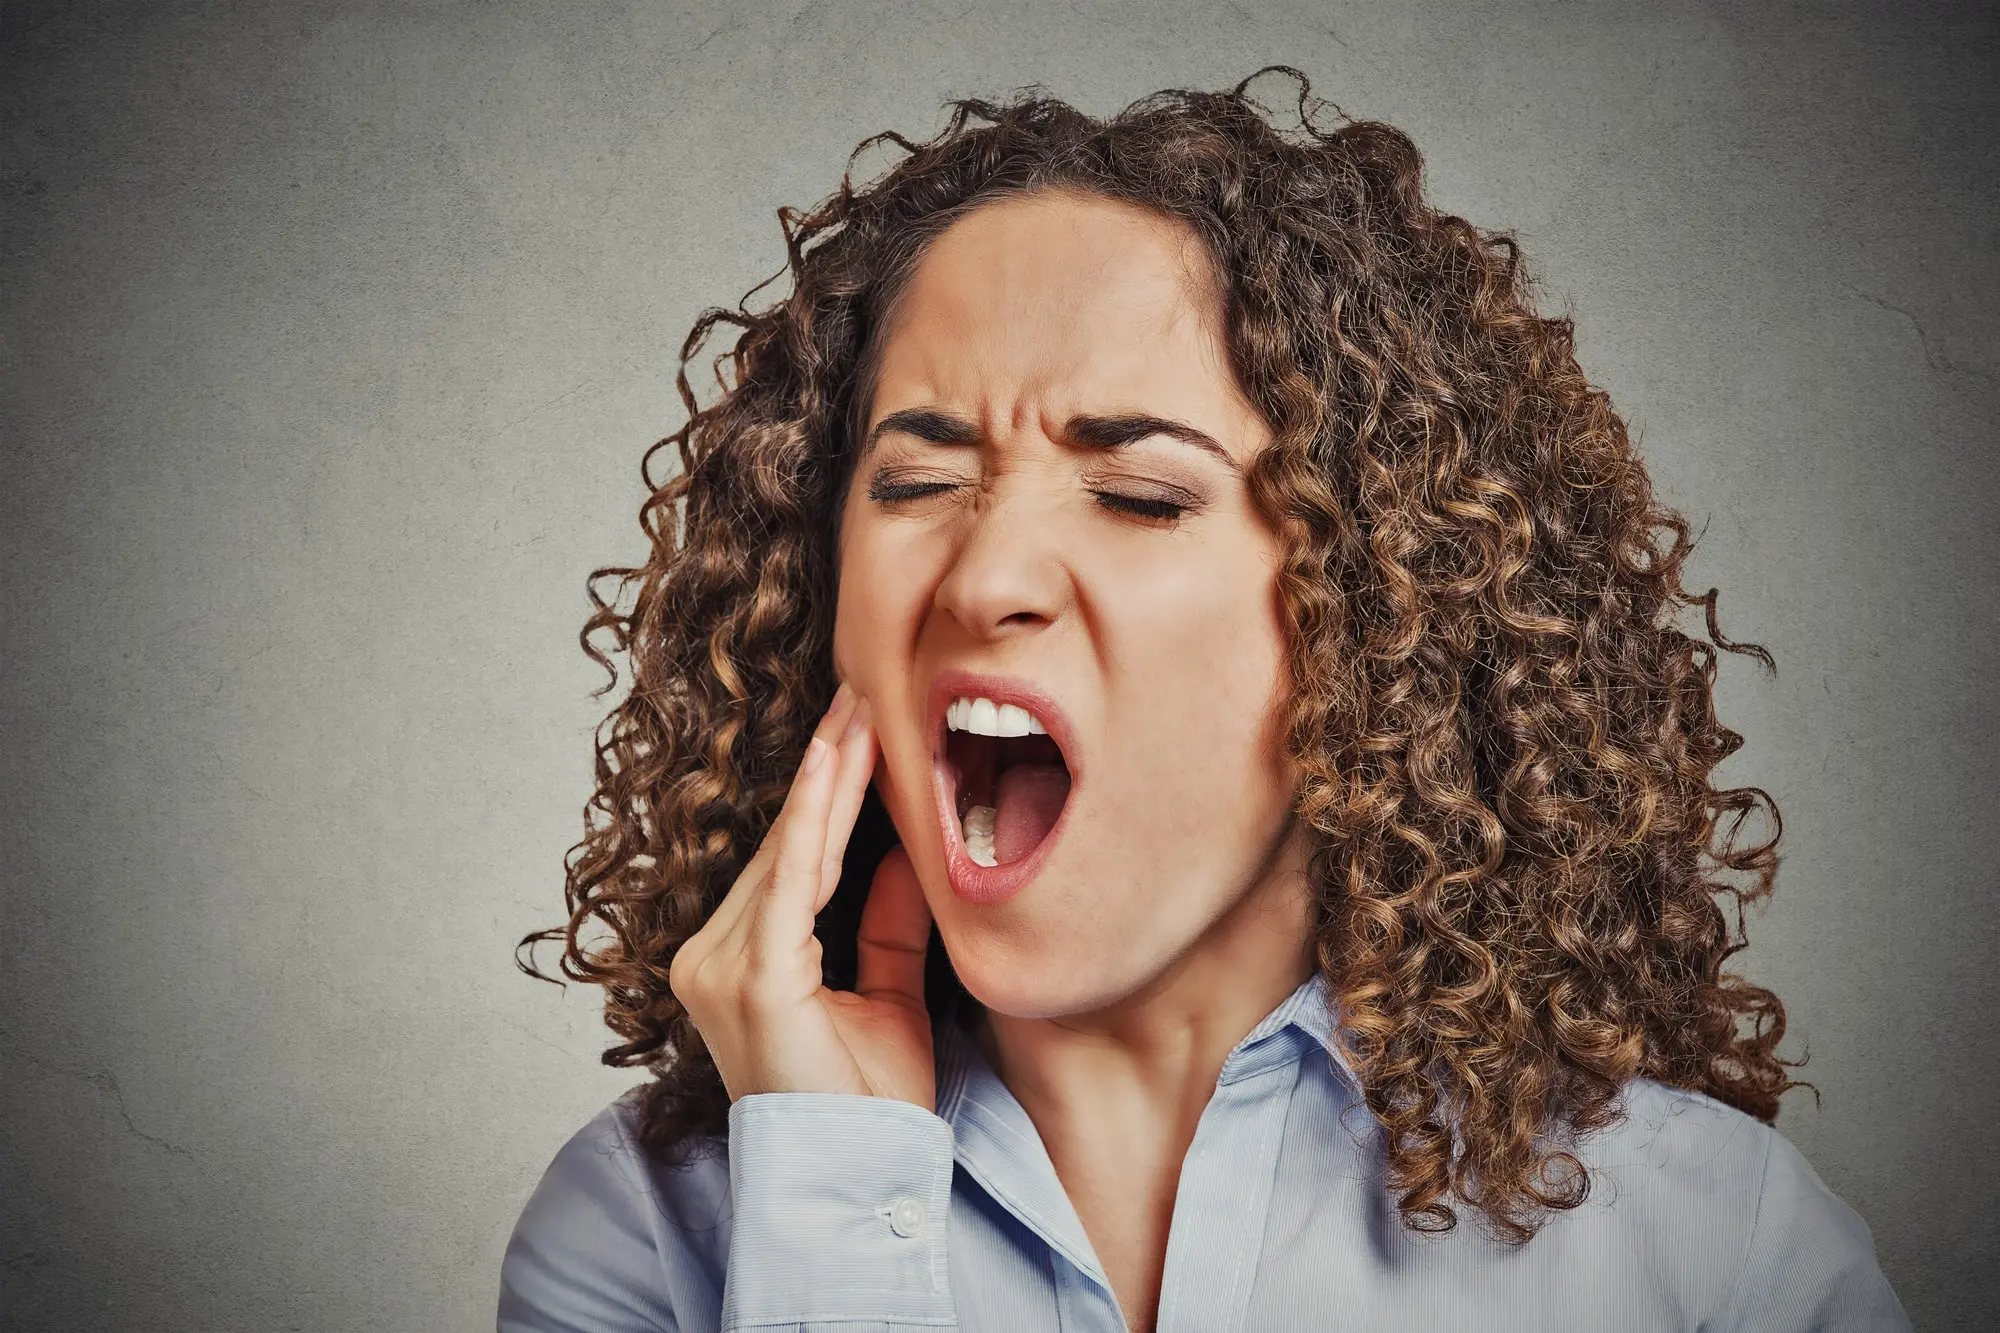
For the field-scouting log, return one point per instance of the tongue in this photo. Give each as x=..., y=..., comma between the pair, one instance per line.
x=1027, y=802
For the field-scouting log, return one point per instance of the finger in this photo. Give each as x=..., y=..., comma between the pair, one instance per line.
x=784, y=905
x=752, y=878
x=850, y=786
x=895, y=933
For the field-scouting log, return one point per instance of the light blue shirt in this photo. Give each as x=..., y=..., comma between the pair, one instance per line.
x=830, y=1212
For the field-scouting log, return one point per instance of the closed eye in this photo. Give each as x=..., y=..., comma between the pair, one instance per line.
x=1140, y=506
x=884, y=489
x=888, y=492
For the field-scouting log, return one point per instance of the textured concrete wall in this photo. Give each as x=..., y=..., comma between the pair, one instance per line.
x=333, y=333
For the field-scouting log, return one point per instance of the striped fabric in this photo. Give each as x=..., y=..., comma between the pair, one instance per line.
x=835, y=1214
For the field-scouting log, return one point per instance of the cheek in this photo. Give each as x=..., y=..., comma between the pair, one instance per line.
x=1218, y=681
x=861, y=644
x=1219, y=622
x=864, y=606
x=877, y=616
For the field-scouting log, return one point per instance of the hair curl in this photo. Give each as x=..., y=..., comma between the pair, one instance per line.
x=1506, y=735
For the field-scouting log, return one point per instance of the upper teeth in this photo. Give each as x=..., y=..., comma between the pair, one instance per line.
x=983, y=717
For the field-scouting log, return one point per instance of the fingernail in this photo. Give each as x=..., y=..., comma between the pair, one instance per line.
x=839, y=697
x=815, y=755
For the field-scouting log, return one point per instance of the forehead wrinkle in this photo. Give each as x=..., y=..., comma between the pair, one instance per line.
x=1020, y=365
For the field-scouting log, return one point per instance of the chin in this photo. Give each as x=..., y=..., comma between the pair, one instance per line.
x=1031, y=973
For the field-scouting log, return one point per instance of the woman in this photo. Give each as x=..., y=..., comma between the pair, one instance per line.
x=1161, y=779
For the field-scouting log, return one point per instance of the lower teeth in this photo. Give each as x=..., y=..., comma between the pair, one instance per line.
x=978, y=826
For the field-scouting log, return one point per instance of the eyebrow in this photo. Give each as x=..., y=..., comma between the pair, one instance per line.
x=1092, y=432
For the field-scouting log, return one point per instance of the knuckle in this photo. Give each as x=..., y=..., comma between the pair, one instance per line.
x=785, y=866
x=691, y=977
x=680, y=971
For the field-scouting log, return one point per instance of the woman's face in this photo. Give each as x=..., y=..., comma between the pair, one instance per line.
x=1048, y=511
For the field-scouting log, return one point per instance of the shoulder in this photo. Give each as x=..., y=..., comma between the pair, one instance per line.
x=1765, y=1244
x=1677, y=1147
x=610, y=1240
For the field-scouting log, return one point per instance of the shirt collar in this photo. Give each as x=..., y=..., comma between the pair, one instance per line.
x=997, y=1144
x=1305, y=1016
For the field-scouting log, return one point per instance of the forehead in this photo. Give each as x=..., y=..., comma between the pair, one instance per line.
x=1060, y=293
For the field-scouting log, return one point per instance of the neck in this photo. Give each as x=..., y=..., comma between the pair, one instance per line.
x=1159, y=1050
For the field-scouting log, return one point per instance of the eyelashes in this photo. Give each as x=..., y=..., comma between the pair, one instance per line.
x=1141, y=505
x=886, y=490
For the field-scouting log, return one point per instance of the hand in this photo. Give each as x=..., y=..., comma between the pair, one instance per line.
x=750, y=978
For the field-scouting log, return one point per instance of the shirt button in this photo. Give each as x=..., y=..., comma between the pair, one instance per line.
x=907, y=1216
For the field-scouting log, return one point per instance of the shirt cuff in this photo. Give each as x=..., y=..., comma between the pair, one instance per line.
x=838, y=1211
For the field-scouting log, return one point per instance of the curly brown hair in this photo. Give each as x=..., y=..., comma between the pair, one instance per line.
x=1506, y=734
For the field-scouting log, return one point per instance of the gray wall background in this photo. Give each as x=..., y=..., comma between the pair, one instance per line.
x=333, y=335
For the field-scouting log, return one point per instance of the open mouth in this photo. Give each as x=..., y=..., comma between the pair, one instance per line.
x=1005, y=781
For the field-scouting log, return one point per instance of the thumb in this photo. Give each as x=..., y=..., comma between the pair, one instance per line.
x=895, y=933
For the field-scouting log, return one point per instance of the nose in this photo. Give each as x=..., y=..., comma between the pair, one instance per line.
x=1007, y=574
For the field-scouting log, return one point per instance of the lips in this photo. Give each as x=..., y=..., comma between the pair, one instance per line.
x=972, y=882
